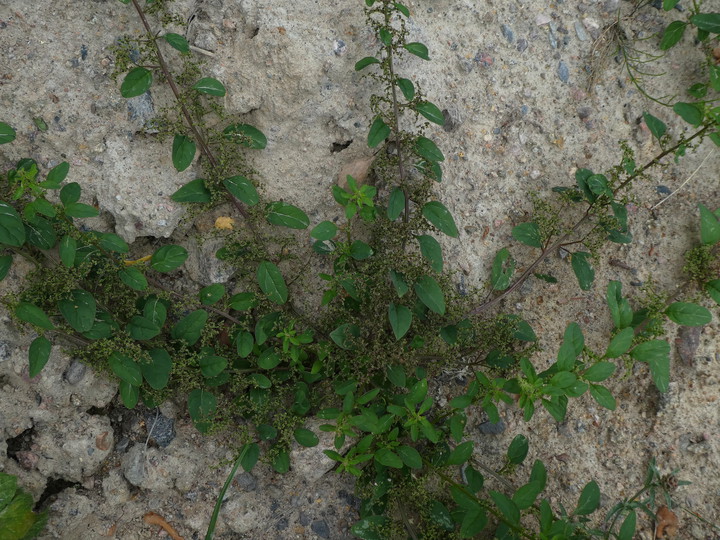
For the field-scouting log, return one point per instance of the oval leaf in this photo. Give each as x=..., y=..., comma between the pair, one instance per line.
x=272, y=283
x=136, y=82
x=126, y=369
x=379, y=131
x=528, y=234
x=168, y=258
x=39, y=355
x=7, y=133
x=325, y=230
x=440, y=217
x=305, y=437
x=431, y=112
x=178, y=42
x=431, y=250
x=418, y=49
x=183, y=152
x=400, y=319
x=424, y=147
x=193, y=191
x=287, y=215
x=246, y=135
x=688, y=314
x=12, y=230
x=430, y=294
x=210, y=86
x=243, y=189
x=32, y=314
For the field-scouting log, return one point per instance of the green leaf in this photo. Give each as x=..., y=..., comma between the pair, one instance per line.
x=424, y=147
x=418, y=49
x=417, y=393
x=440, y=217
x=388, y=458
x=79, y=310
x=518, y=449
x=655, y=125
x=692, y=113
x=379, y=131
x=243, y=301
x=39, y=355
x=440, y=515
x=32, y=314
x=126, y=369
x=396, y=375
x=398, y=281
x=287, y=215
x=190, y=327
x=583, y=271
x=669, y=4
x=178, y=42
x=589, y=499
x=136, y=82
x=261, y=380
x=249, y=456
x=431, y=112
x=508, y=508
x=212, y=365
x=281, y=463
x=709, y=226
x=603, y=396
x=211, y=294
x=599, y=372
x=246, y=135
x=129, y=394
x=688, y=314
x=113, y=242
x=396, y=204
x=5, y=264
x=473, y=523
x=400, y=319
x=305, y=437
x=460, y=454
x=244, y=342
x=525, y=496
x=407, y=88
x=368, y=528
x=359, y=250
x=385, y=36
x=365, y=62
x=402, y=8
x=269, y=359
x=157, y=372
x=210, y=86
x=710, y=22
x=657, y=354
x=133, y=278
x=627, y=530
x=168, y=258
x=501, y=273
x=410, y=457
x=673, y=33
x=12, y=230
x=430, y=294
x=344, y=335
x=80, y=210
x=67, y=249
x=243, y=189
x=56, y=175
x=201, y=405
x=431, y=250
x=193, y=191
x=711, y=287
x=528, y=234
x=272, y=283
x=183, y=152
x=325, y=230
x=40, y=233
x=7, y=133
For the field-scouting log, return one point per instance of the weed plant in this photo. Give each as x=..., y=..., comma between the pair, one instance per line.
x=247, y=357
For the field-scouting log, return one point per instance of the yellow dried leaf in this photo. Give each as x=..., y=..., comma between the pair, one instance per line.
x=224, y=222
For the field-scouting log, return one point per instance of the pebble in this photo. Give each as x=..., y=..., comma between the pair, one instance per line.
x=663, y=190
x=687, y=343
x=75, y=372
x=162, y=428
x=542, y=19
x=508, y=33
x=563, y=72
x=522, y=44
x=490, y=428
x=339, y=47
x=5, y=349
x=580, y=31
x=320, y=527
x=246, y=481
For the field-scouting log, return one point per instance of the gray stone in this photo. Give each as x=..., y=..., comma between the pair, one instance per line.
x=6, y=348
x=75, y=372
x=320, y=527
x=492, y=428
x=160, y=428
x=563, y=72
x=508, y=33
x=246, y=481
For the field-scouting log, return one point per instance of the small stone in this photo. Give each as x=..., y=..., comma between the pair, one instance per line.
x=584, y=112
x=246, y=481
x=580, y=31
x=5, y=349
x=508, y=33
x=563, y=72
x=320, y=527
x=75, y=372
x=542, y=19
x=304, y=518
x=339, y=47
x=483, y=59
x=27, y=460
x=492, y=428
x=161, y=429
x=663, y=190
x=282, y=524
x=687, y=342
x=522, y=44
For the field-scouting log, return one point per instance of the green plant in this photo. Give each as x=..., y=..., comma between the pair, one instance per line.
x=391, y=319
x=17, y=520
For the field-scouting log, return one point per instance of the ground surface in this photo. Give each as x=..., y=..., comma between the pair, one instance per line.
x=513, y=76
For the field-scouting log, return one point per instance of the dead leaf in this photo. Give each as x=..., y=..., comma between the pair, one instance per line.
x=358, y=169
x=111, y=531
x=667, y=523
x=102, y=442
x=224, y=222
x=151, y=518
x=687, y=343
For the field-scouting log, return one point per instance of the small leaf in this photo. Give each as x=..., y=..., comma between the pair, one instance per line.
x=673, y=33
x=418, y=49
x=32, y=314
x=583, y=271
x=113, y=242
x=136, y=82
x=709, y=22
x=129, y=394
x=407, y=88
x=398, y=281
x=396, y=204
x=133, y=278
x=67, y=249
x=157, y=372
x=657, y=354
x=431, y=250
x=344, y=335
x=80, y=210
x=688, y=314
x=246, y=135
x=460, y=454
x=269, y=359
x=359, y=250
x=183, y=152
x=261, y=380
x=212, y=365
x=243, y=301
x=669, y=4
x=424, y=147
x=508, y=508
x=379, y=131
x=599, y=372
x=287, y=215
x=178, y=42
x=431, y=112
x=12, y=230
x=325, y=230
x=589, y=499
x=627, y=530
x=365, y=62
x=40, y=233
x=39, y=355
x=501, y=273
x=692, y=113
x=193, y=191
x=518, y=449
x=272, y=283
x=440, y=217
x=305, y=437
x=168, y=258
x=713, y=289
x=410, y=457
x=474, y=521
x=243, y=189
x=56, y=176
x=79, y=310
x=125, y=368
x=210, y=86
x=190, y=327
x=388, y=458
x=655, y=125
x=603, y=396
x=400, y=320
x=709, y=226
x=430, y=294
x=528, y=234
x=201, y=405
x=5, y=264
x=211, y=294
x=7, y=133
